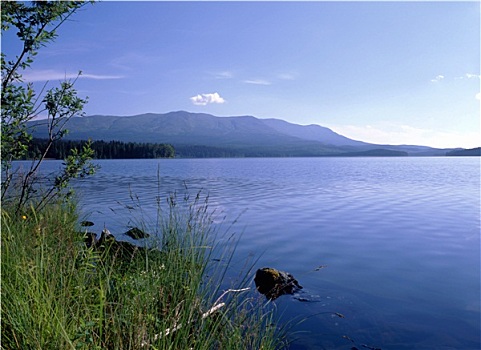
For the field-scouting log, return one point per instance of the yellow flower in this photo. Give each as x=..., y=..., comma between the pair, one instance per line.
x=24, y=217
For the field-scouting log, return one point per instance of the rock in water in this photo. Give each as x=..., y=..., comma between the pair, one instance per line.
x=86, y=223
x=136, y=233
x=109, y=246
x=274, y=283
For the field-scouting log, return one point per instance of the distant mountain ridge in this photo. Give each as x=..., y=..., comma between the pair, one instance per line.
x=312, y=132
x=237, y=136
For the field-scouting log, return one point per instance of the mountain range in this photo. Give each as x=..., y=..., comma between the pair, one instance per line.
x=199, y=134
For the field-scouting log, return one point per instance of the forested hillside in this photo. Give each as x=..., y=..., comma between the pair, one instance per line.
x=471, y=152
x=103, y=150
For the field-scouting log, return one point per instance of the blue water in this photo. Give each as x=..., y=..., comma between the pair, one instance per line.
x=400, y=238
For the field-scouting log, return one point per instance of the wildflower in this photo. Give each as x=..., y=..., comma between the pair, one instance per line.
x=24, y=217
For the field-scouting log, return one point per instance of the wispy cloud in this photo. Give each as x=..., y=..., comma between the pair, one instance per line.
x=437, y=79
x=100, y=77
x=401, y=134
x=468, y=76
x=48, y=74
x=131, y=61
x=204, y=99
x=472, y=76
x=478, y=96
x=287, y=76
x=257, y=82
x=223, y=75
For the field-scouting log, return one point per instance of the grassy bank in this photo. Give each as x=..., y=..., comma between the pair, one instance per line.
x=59, y=294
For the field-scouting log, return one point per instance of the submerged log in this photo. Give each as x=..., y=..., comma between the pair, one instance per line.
x=274, y=283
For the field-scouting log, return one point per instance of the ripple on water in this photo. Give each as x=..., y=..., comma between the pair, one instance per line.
x=400, y=237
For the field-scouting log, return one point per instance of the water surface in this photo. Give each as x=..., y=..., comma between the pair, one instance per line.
x=400, y=238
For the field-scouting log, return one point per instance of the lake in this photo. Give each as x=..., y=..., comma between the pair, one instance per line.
x=399, y=238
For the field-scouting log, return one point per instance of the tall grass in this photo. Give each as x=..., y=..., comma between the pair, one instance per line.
x=59, y=294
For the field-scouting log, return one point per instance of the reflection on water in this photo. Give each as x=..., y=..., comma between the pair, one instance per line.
x=400, y=238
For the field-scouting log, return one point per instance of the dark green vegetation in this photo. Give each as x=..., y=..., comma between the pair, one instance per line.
x=59, y=294
x=135, y=150
x=101, y=149
x=204, y=135
x=185, y=151
x=375, y=153
x=472, y=152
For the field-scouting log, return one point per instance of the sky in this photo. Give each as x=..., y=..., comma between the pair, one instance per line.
x=379, y=72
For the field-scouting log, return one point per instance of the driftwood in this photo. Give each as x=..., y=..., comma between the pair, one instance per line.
x=217, y=305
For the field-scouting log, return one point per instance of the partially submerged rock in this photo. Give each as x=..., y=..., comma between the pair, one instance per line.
x=86, y=223
x=274, y=283
x=136, y=233
x=107, y=244
x=91, y=240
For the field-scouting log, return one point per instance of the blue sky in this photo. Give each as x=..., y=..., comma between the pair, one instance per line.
x=380, y=72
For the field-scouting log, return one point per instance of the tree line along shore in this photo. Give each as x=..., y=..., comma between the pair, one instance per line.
x=102, y=149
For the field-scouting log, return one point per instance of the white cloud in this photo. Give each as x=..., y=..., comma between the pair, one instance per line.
x=204, y=99
x=257, y=82
x=48, y=74
x=401, y=134
x=437, y=79
x=478, y=96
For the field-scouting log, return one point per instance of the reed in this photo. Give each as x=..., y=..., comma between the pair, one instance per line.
x=59, y=294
